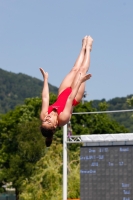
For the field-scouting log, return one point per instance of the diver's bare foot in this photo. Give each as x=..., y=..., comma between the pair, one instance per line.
x=84, y=40
x=89, y=43
x=85, y=77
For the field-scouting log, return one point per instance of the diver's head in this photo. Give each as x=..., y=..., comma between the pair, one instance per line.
x=50, y=121
x=48, y=127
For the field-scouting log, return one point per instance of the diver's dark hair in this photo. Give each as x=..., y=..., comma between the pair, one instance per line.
x=47, y=132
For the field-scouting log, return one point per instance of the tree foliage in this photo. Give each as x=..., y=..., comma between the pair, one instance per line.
x=24, y=161
x=119, y=103
x=94, y=123
x=130, y=102
x=21, y=143
x=46, y=182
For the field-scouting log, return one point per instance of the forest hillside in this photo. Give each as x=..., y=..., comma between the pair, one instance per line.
x=15, y=88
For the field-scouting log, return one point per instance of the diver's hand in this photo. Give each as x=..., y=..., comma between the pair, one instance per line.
x=45, y=74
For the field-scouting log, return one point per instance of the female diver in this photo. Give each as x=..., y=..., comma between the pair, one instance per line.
x=70, y=93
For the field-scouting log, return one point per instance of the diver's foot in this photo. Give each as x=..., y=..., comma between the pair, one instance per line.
x=84, y=41
x=85, y=77
x=48, y=141
x=89, y=43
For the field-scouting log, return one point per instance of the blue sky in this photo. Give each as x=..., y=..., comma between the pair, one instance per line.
x=48, y=34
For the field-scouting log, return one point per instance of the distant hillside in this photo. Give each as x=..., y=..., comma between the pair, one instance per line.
x=119, y=104
x=14, y=88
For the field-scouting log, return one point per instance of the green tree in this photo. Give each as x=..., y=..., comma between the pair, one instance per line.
x=94, y=123
x=46, y=181
x=130, y=101
x=35, y=173
x=22, y=145
x=22, y=151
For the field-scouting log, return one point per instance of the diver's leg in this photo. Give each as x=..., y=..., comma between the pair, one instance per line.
x=67, y=81
x=84, y=68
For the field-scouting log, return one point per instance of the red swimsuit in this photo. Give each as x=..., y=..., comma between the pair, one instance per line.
x=60, y=103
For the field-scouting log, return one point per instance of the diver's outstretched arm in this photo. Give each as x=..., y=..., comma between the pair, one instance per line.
x=45, y=95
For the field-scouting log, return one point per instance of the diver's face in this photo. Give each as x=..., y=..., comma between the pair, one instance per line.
x=50, y=121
